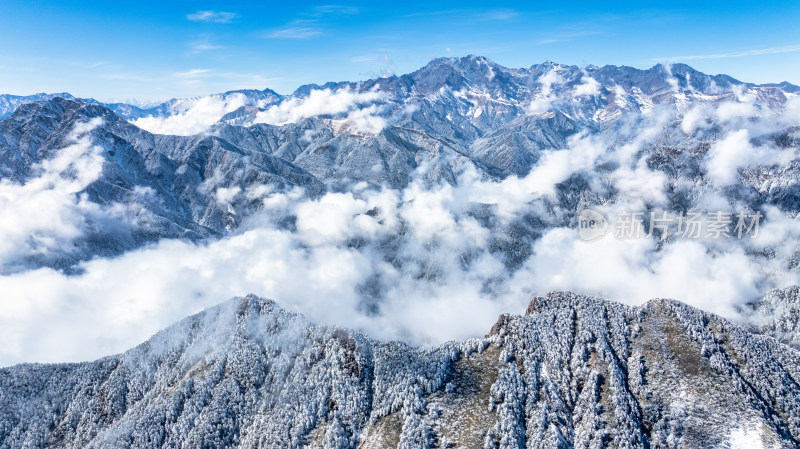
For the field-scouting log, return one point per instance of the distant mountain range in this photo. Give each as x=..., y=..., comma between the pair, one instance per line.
x=451, y=114
x=472, y=72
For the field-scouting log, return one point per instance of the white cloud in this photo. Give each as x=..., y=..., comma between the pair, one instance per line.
x=199, y=47
x=47, y=212
x=324, y=101
x=632, y=271
x=296, y=31
x=545, y=97
x=641, y=185
x=335, y=10
x=422, y=257
x=334, y=218
x=199, y=114
x=589, y=86
x=212, y=16
x=735, y=151
x=731, y=110
x=693, y=120
x=365, y=120
x=225, y=195
x=117, y=302
x=735, y=54
x=194, y=73
x=791, y=112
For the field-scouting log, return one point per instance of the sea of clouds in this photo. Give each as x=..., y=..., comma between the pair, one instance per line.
x=418, y=264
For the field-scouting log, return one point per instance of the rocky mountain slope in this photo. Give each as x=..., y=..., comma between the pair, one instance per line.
x=573, y=371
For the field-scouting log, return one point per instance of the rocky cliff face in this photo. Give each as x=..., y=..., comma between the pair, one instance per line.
x=573, y=371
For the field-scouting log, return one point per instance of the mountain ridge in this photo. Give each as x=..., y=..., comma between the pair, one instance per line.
x=573, y=371
x=434, y=135
x=9, y=102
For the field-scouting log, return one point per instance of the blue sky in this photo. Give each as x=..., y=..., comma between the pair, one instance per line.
x=152, y=51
